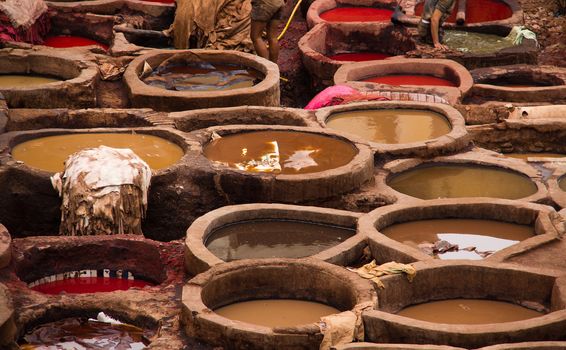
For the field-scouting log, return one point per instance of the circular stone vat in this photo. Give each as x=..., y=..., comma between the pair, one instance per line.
x=326, y=47
x=536, y=345
x=75, y=327
x=187, y=121
x=269, y=280
x=527, y=139
x=557, y=186
x=494, y=228
x=250, y=231
x=265, y=93
x=520, y=83
x=311, y=165
x=440, y=180
x=400, y=128
x=523, y=288
x=88, y=264
x=47, y=79
x=33, y=206
x=342, y=11
x=469, y=14
x=444, y=78
x=381, y=346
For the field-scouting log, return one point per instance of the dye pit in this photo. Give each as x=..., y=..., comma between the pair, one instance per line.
x=190, y=193
x=395, y=126
x=469, y=311
x=277, y=313
x=69, y=41
x=283, y=152
x=458, y=238
x=285, y=239
x=49, y=153
x=203, y=77
x=446, y=181
x=406, y=79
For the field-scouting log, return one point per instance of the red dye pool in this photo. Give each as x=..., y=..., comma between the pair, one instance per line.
x=89, y=285
x=357, y=14
x=478, y=11
x=359, y=56
x=410, y=80
x=63, y=41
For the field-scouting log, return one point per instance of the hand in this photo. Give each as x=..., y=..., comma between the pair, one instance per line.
x=441, y=47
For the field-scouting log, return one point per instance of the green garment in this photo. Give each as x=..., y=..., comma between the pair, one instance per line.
x=445, y=6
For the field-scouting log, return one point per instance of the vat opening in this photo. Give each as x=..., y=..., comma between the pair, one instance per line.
x=274, y=238
x=522, y=80
x=477, y=11
x=357, y=14
x=411, y=79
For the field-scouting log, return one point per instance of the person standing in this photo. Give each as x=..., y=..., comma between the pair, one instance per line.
x=266, y=15
x=435, y=12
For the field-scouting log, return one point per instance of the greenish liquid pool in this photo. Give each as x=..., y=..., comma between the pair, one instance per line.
x=477, y=43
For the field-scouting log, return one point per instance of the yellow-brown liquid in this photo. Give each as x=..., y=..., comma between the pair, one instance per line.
x=277, y=312
x=455, y=181
x=295, y=152
x=392, y=126
x=525, y=156
x=468, y=311
x=49, y=153
x=484, y=235
x=22, y=80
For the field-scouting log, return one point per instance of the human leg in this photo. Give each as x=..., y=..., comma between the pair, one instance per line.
x=256, y=30
x=272, y=27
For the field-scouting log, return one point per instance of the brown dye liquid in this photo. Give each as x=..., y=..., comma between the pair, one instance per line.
x=77, y=333
x=49, y=153
x=274, y=239
x=468, y=311
x=456, y=181
x=285, y=152
x=204, y=77
x=392, y=126
x=21, y=80
x=526, y=156
x=562, y=183
x=277, y=312
x=484, y=235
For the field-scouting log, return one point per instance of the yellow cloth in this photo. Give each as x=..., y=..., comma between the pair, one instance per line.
x=372, y=271
x=343, y=328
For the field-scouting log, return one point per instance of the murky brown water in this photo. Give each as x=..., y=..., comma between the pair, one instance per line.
x=484, y=235
x=285, y=152
x=468, y=311
x=76, y=333
x=21, y=80
x=204, y=77
x=478, y=43
x=274, y=239
x=49, y=153
x=525, y=156
x=277, y=312
x=392, y=126
x=455, y=181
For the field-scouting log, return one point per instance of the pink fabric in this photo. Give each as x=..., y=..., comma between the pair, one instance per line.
x=325, y=96
x=342, y=94
x=33, y=35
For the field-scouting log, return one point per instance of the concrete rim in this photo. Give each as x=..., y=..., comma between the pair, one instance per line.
x=199, y=259
x=456, y=140
x=474, y=157
x=383, y=248
x=143, y=95
x=196, y=315
x=473, y=336
x=288, y=188
x=352, y=73
x=83, y=83
x=557, y=194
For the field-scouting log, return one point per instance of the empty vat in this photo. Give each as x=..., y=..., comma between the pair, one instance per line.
x=271, y=279
x=491, y=229
x=444, y=78
x=263, y=93
x=400, y=128
x=533, y=289
x=249, y=231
